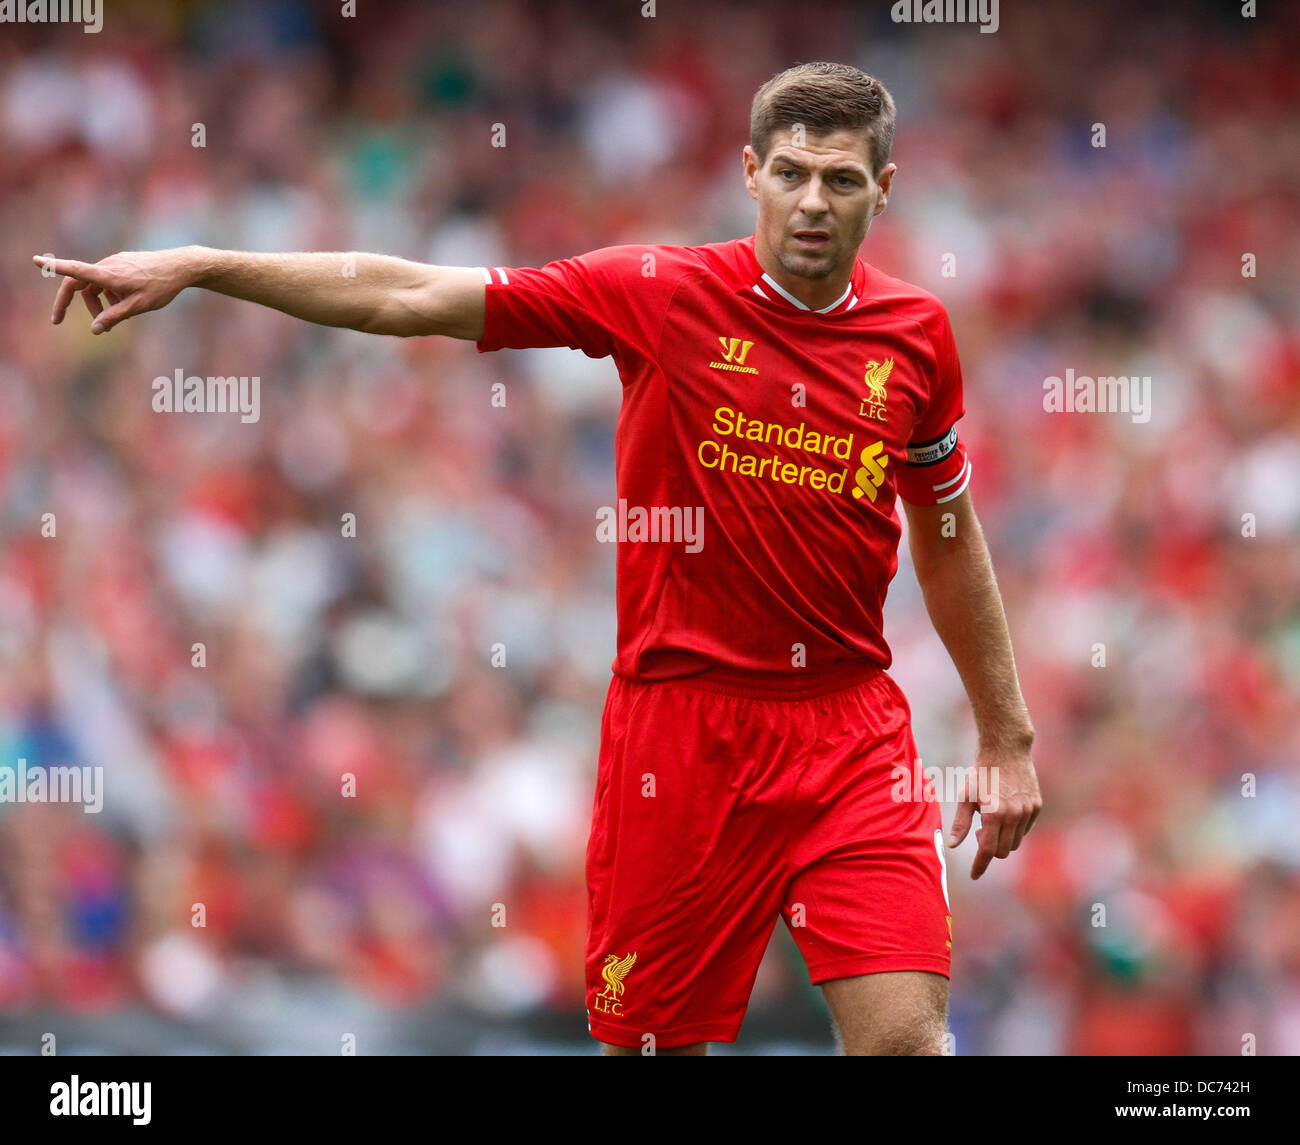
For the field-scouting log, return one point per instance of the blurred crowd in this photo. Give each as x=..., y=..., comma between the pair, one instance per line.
x=364, y=757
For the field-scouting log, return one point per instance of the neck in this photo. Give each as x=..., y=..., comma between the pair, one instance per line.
x=814, y=293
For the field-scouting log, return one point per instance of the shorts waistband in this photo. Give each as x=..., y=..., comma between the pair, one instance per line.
x=773, y=685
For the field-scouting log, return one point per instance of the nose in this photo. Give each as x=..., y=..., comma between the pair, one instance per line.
x=814, y=201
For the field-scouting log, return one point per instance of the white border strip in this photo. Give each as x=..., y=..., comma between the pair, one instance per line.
x=965, y=473
x=790, y=298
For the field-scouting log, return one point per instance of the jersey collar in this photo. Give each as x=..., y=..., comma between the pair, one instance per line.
x=767, y=288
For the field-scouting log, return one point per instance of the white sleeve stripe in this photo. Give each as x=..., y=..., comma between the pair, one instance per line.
x=501, y=270
x=483, y=270
x=941, y=488
x=961, y=489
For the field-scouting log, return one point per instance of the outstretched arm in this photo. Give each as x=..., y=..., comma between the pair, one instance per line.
x=961, y=594
x=373, y=293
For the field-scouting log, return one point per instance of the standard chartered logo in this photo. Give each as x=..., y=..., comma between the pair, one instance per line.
x=872, y=474
x=819, y=450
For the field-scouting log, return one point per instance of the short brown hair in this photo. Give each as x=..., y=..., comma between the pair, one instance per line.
x=824, y=97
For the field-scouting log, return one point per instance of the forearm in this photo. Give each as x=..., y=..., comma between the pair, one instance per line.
x=962, y=598
x=377, y=294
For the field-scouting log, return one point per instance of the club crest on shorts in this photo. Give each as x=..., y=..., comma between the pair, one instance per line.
x=609, y=1000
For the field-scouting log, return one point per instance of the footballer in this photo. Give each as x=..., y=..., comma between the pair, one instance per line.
x=752, y=738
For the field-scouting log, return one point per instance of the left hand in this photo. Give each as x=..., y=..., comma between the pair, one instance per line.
x=133, y=282
x=1003, y=788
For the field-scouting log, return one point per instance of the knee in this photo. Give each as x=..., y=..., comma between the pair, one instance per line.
x=905, y=1039
x=907, y=1031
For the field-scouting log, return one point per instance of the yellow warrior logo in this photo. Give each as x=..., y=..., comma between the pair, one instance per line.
x=734, y=353
x=608, y=1001
x=877, y=373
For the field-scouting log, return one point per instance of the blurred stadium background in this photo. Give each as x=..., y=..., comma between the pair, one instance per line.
x=476, y=525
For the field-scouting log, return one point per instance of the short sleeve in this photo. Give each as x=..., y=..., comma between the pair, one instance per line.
x=565, y=303
x=937, y=468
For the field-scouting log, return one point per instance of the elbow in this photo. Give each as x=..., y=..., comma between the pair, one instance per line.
x=401, y=314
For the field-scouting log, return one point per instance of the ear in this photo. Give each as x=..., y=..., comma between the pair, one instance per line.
x=885, y=183
x=749, y=166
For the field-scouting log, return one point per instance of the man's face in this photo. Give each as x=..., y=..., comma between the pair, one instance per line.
x=816, y=198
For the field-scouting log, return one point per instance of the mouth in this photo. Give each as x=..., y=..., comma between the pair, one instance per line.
x=812, y=240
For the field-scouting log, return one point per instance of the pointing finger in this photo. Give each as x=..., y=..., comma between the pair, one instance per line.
x=86, y=271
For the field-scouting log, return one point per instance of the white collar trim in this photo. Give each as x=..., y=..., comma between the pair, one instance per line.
x=790, y=298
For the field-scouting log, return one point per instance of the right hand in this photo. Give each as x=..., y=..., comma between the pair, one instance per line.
x=132, y=282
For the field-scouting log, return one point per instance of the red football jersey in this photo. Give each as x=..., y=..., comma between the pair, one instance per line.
x=760, y=447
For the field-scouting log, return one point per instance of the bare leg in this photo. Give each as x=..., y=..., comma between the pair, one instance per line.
x=897, y=1013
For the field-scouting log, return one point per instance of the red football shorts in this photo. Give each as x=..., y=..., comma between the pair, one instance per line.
x=720, y=805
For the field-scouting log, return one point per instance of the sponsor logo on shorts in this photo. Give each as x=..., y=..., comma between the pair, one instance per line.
x=610, y=999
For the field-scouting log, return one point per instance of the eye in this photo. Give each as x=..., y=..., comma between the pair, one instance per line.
x=786, y=171
x=843, y=180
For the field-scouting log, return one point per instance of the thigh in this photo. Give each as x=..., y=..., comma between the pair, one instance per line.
x=894, y=1013
x=684, y=873
x=869, y=894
